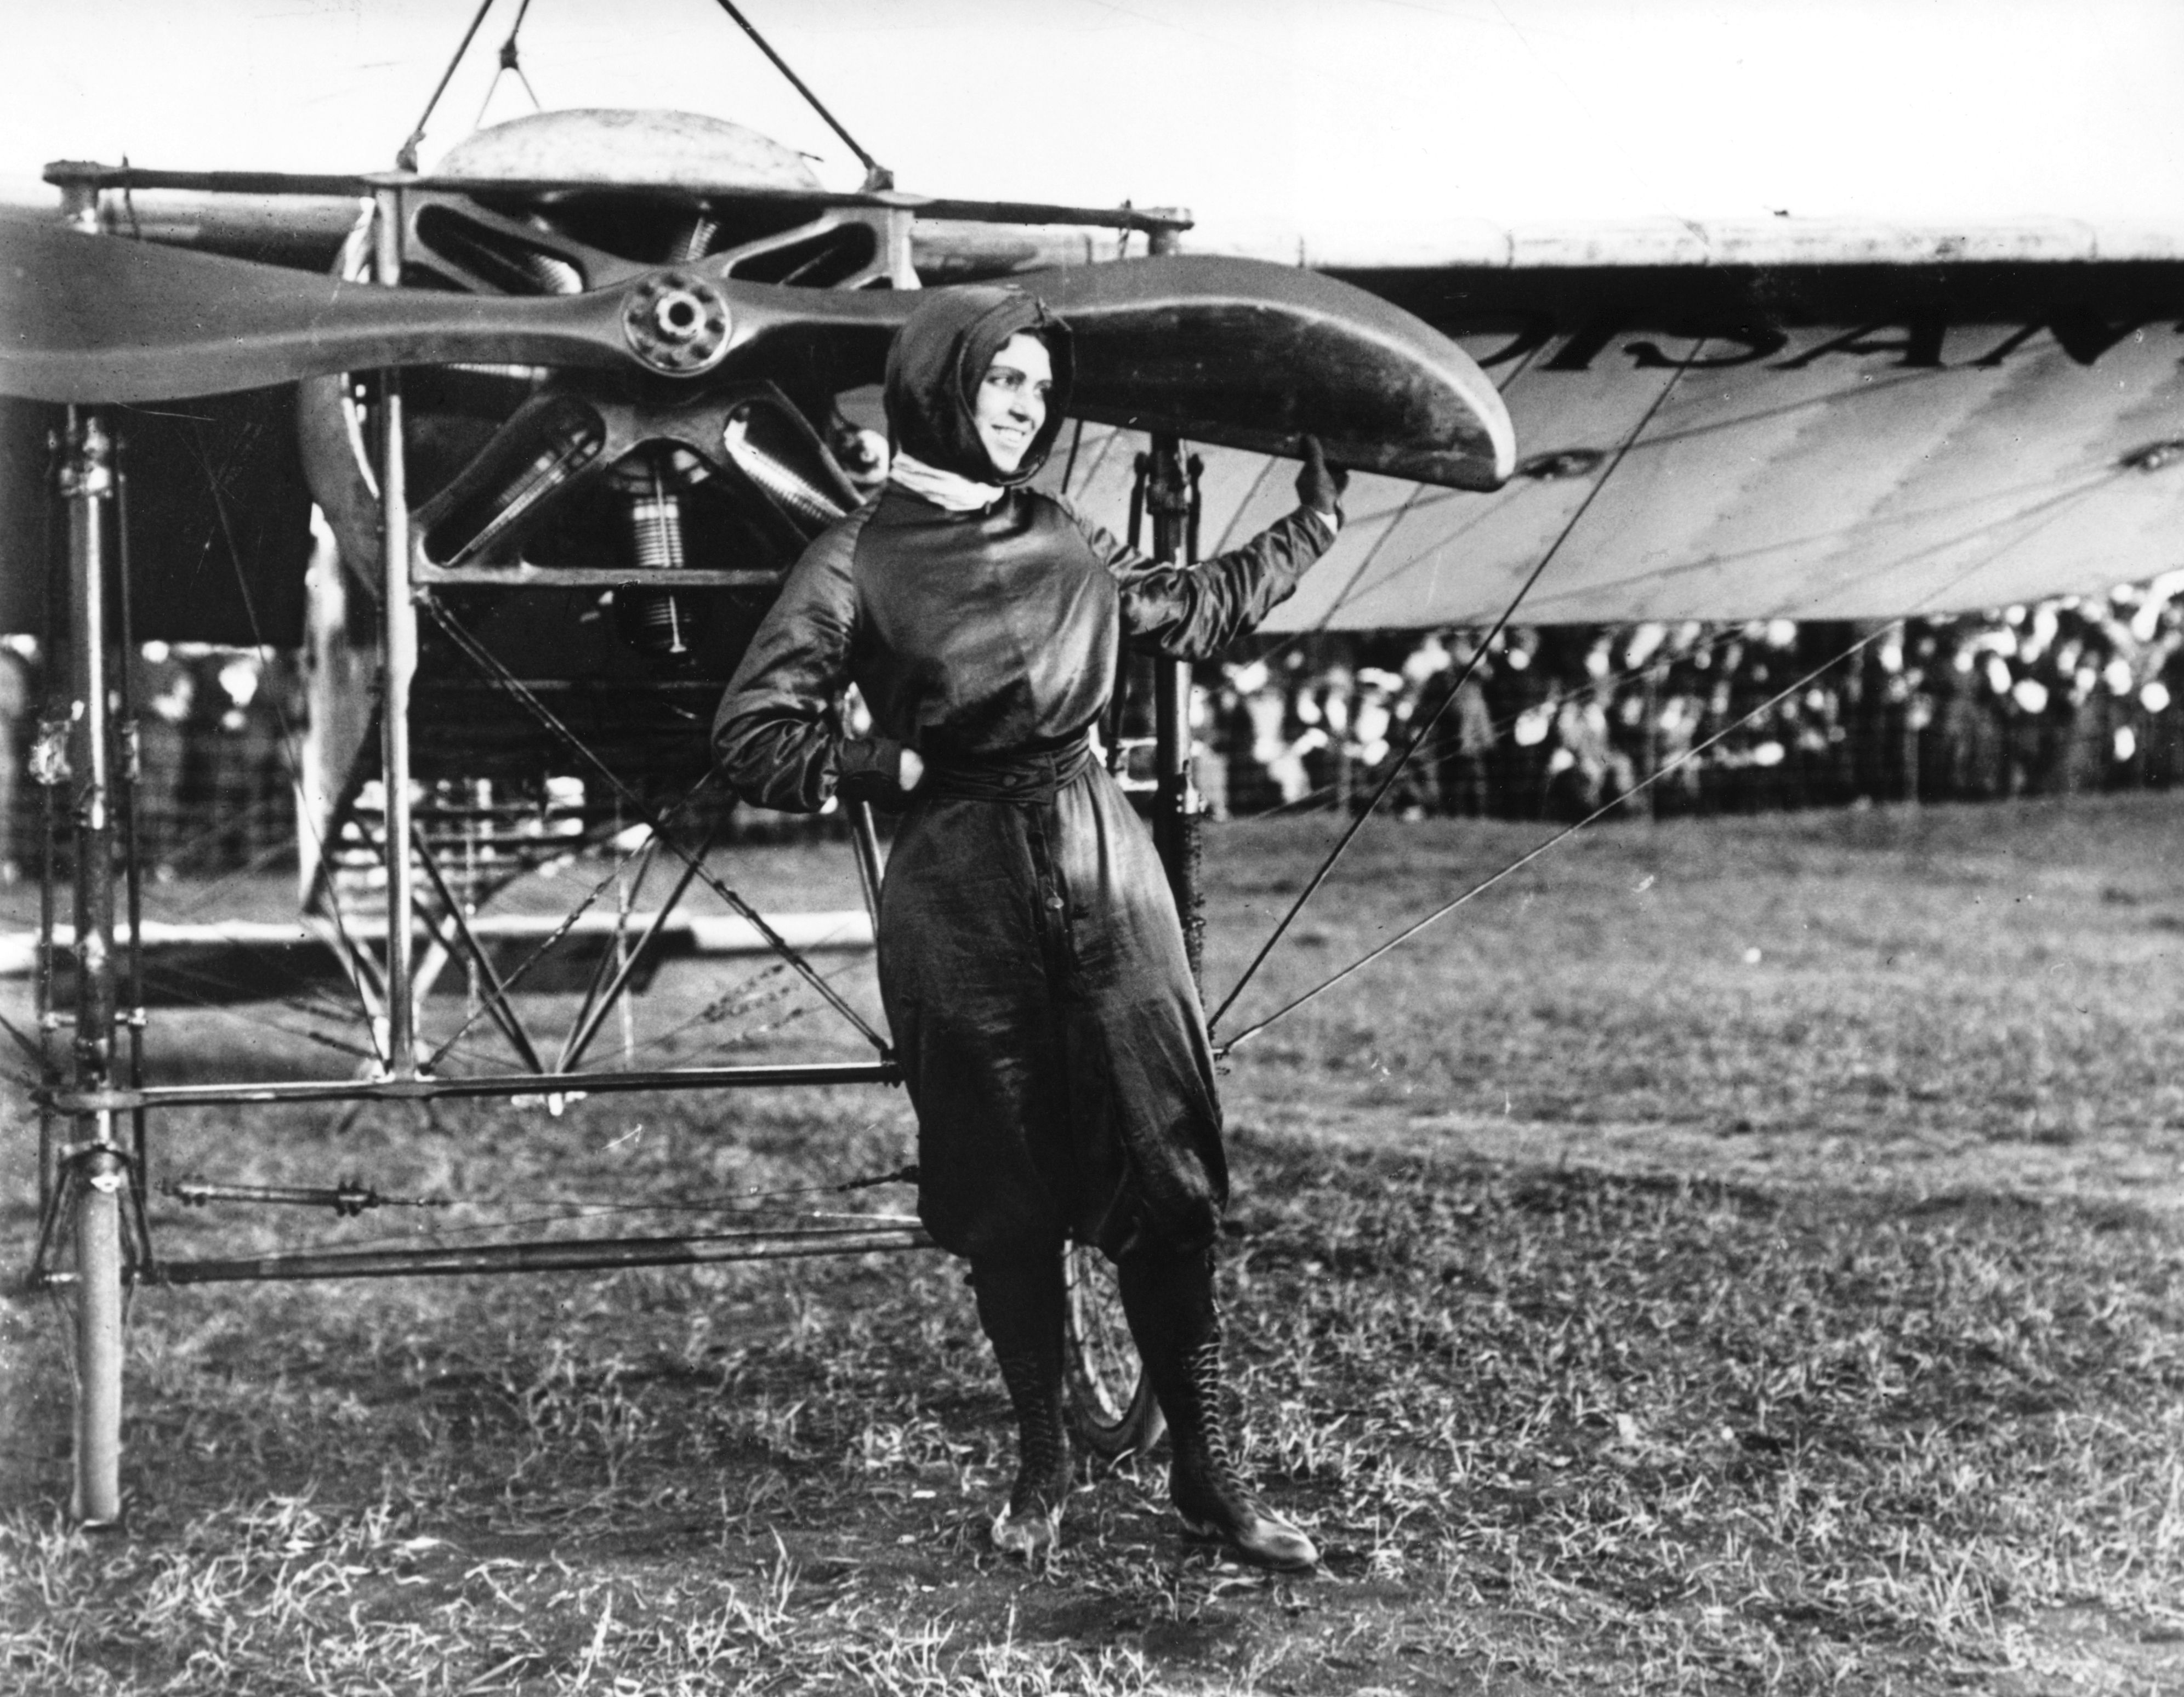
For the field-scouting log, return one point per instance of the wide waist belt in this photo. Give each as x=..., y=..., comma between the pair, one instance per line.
x=1005, y=777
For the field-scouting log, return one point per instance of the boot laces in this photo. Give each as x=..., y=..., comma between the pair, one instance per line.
x=1042, y=1439
x=1210, y=1487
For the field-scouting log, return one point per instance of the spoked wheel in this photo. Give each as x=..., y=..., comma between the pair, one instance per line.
x=1111, y=1408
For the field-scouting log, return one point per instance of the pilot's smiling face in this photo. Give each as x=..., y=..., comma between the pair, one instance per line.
x=1011, y=401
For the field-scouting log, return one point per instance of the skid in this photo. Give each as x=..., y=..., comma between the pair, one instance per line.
x=423, y=1088
x=587, y=1255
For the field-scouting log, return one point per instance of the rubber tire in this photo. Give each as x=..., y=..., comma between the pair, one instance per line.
x=1112, y=1409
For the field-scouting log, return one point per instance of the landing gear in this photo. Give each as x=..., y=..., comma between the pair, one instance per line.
x=86, y=1169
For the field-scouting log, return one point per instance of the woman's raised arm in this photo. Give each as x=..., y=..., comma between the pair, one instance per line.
x=1193, y=612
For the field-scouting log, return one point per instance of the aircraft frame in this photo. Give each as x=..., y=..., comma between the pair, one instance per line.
x=95, y=1238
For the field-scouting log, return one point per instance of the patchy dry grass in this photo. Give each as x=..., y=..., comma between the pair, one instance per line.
x=1621, y=1311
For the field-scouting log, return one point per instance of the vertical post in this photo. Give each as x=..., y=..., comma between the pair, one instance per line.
x=49, y=770
x=398, y=658
x=97, y=1499
x=1175, y=798
x=130, y=741
x=97, y=1169
x=872, y=873
x=871, y=865
x=1168, y=499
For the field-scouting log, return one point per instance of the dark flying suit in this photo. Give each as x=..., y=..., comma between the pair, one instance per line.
x=1030, y=960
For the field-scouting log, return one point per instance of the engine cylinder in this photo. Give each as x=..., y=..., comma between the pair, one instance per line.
x=656, y=622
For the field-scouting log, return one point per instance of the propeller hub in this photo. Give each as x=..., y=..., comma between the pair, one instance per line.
x=676, y=323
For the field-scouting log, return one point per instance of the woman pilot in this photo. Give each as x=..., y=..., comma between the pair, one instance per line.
x=1031, y=963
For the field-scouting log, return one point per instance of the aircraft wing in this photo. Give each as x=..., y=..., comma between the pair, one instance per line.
x=1791, y=418
x=1786, y=419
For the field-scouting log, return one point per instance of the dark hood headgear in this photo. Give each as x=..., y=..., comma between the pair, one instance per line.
x=938, y=361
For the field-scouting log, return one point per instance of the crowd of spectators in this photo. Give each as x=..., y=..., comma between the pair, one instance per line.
x=212, y=724
x=2076, y=695
x=2082, y=694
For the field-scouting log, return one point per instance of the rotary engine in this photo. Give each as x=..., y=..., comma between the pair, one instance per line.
x=540, y=495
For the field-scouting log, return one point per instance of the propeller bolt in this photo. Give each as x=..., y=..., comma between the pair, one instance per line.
x=678, y=316
x=676, y=323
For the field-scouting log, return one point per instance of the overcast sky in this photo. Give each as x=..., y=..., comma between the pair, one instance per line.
x=1259, y=115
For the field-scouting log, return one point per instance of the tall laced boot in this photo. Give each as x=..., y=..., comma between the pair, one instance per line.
x=1020, y=1309
x=1169, y=1299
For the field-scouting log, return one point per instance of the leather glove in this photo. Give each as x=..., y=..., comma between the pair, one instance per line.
x=1319, y=486
x=872, y=769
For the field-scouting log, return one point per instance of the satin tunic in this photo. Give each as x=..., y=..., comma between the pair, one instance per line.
x=1031, y=962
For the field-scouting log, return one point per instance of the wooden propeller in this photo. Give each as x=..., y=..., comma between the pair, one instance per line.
x=1232, y=352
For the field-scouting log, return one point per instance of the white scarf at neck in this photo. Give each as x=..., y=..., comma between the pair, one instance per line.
x=944, y=489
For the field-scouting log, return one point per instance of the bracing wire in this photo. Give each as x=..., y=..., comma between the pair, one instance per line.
x=196, y=841
x=745, y=1204
x=405, y=157
x=1244, y=506
x=23, y=1041
x=2074, y=489
x=2047, y=511
x=741, y=1001
x=289, y=744
x=568, y=924
x=1312, y=798
x=1425, y=728
x=1342, y=596
x=168, y=982
x=496, y=672
x=877, y=176
x=510, y=61
x=1568, y=830
x=174, y=979
x=1414, y=498
x=2064, y=488
x=745, y=999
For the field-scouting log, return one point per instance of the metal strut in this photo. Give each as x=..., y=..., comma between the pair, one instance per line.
x=405, y=157
x=567, y=1255
x=399, y=637
x=95, y=1167
x=878, y=176
x=1170, y=486
x=49, y=770
x=487, y=662
x=489, y=980
x=130, y=748
x=604, y=1000
x=1169, y=496
x=519, y=1086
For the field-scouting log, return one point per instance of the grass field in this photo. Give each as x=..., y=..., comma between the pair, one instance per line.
x=1730, y=1256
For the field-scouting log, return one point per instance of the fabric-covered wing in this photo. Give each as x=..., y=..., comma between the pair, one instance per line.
x=1817, y=439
